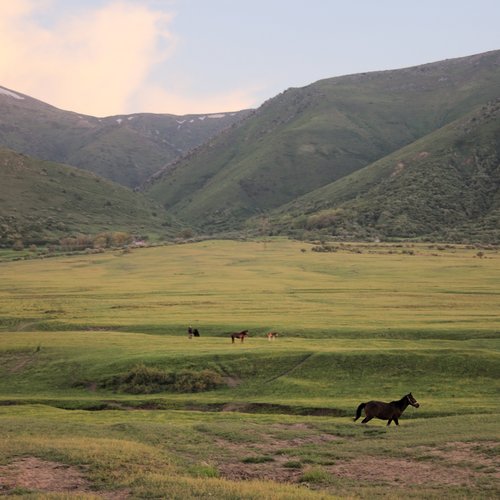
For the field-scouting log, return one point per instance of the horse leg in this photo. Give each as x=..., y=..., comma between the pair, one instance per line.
x=389, y=422
x=232, y=339
x=396, y=421
x=366, y=419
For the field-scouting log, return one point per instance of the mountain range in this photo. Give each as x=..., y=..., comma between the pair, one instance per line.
x=407, y=153
x=307, y=138
x=126, y=148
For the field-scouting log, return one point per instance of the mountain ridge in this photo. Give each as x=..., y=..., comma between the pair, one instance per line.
x=445, y=185
x=308, y=137
x=124, y=148
x=338, y=158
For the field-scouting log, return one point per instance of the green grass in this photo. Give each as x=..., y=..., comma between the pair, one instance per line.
x=185, y=455
x=353, y=327
x=226, y=285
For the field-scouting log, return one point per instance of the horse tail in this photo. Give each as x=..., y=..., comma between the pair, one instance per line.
x=358, y=411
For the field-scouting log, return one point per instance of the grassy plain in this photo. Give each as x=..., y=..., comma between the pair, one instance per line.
x=366, y=322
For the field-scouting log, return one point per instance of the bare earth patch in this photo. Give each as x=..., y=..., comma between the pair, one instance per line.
x=271, y=471
x=398, y=169
x=402, y=471
x=484, y=454
x=278, y=444
x=32, y=473
x=274, y=444
x=279, y=452
x=456, y=464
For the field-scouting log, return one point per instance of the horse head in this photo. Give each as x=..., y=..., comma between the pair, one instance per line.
x=412, y=400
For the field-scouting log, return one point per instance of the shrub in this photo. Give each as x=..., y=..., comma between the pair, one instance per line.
x=111, y=239
x=192, y=381
x=293, y=464
x=315, y=475
x=204, y=471
x=185, y=234
x=18, y=245
x=324, y=248
x=142, y=379
x=261, y=459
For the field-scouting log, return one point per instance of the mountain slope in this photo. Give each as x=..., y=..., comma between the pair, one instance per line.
x=126, y=149
x=444, y=186
x=40, y=201
x=309, y=137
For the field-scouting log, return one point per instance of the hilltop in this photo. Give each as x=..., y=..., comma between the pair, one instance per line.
x=125, y=148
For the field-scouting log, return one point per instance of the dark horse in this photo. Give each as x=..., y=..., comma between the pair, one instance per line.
x=386, y=411
x=240, y=335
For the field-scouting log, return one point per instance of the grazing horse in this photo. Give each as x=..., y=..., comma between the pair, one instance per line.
x=240, y=335
x=386, y=411
x=271, y=335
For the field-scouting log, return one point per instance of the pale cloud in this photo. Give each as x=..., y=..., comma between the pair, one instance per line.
x=100, y=61
x=155, y=99
x=90, y=63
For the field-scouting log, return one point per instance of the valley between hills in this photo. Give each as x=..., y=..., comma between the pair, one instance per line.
x=408, y=154
x=336, y=249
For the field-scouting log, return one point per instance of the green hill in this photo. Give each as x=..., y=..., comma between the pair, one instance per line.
x=126, y=149
x=42, y=201
x=443, y=186
x=309, y=137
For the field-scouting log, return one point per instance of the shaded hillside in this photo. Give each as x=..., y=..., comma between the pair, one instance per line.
x=126, y=149
x=443, y=186
x=40, y=201
x=308, y=137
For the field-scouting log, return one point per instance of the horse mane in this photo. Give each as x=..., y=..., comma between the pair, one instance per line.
x=403, y=402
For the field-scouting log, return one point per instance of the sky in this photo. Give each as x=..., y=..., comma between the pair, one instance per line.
x=110, y=57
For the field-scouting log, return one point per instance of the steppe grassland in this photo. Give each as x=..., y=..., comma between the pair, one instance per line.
x=355, y=325
x=224, y=285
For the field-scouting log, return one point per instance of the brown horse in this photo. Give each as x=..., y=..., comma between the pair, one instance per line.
x=240, y=335
x=272, y=335
x=386, y=411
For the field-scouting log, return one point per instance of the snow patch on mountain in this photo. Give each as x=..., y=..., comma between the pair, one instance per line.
x=10, y=94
